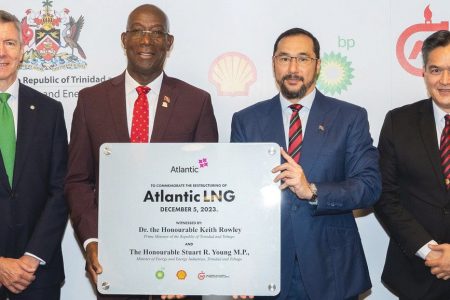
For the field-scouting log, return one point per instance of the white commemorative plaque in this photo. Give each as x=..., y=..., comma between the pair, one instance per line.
x=191, y=219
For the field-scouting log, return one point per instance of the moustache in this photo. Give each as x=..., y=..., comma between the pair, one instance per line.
x=292, y=76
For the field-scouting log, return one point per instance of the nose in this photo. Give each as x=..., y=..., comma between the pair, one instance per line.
x=146, y=39
x=445, y=78
x=293, y=65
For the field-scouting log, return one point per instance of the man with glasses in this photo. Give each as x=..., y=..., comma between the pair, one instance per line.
x=329, y=167
x=414, y=206
x=141, y=105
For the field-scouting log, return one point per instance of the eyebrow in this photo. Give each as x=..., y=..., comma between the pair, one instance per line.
x=301, y=53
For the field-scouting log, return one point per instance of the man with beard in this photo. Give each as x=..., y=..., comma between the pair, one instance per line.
x=329, y=169
x=140, y=105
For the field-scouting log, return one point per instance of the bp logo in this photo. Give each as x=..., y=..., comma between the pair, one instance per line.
x=52, y=39
x=335, y=75
x=159, y=274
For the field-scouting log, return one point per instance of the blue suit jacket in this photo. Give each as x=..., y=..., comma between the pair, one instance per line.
x=33, y=213
x=338, y=156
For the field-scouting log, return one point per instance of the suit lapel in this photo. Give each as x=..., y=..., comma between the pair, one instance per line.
x=117, y=106
x=168, y=97
x=427, y=129
x=26, y=125
x=320, y=120
x=271, y=123
x=3, y=176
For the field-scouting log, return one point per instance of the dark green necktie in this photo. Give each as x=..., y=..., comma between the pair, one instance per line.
x=7, y=136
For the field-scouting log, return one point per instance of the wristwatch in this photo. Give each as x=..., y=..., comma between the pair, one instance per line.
x=313, y=189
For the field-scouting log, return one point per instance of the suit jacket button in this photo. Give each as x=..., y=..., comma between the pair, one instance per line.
x=294, y=207
x=446, y=211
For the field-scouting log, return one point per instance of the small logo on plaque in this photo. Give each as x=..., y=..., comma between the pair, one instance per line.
x=159, y=274
x=201, y=275
x=203, y=162
x=181, y=275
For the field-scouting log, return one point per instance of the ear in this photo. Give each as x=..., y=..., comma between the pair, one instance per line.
x=170, y=40
x=22, y=51
x=123, y=38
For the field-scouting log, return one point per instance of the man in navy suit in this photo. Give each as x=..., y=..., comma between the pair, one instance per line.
x=336, y=171
x=33, y=212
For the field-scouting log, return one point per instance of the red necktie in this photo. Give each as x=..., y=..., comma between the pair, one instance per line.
x=445, y=151
x=295, y=133
x=139, y=125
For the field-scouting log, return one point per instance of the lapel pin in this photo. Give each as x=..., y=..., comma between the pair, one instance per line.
x=321, y=128
x=32, y=107
x=166, y=101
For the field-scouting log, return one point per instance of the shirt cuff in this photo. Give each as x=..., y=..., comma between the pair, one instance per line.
x=86, y=242
x=41, y=262
x=424, y=250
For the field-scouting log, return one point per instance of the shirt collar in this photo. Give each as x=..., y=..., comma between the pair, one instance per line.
x=13, y=90
x=131, y=84
x=306, y=101
x=439, y=114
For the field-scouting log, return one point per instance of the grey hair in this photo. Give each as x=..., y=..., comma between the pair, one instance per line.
x=6, y=17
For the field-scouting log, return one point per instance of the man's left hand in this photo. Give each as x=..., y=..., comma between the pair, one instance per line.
x=441, y=265
x=292, y=176
x=30, y=261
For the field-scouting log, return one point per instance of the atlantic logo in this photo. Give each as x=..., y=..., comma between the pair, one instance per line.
x=202, y=163
x=232, y=74
x=52, y=39
x=409, y=59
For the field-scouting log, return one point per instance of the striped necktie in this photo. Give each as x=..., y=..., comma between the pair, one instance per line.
x=445, y=151
x=295, y=133
x=7, y=136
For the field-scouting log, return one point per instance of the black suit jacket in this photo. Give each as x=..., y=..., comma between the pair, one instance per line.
x=414, y=205
x=34, y=212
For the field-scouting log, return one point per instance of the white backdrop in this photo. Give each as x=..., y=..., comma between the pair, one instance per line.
x=225, y=47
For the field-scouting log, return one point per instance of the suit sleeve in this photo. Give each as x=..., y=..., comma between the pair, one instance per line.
x=49, y=230
x=361, y=186
x=80, y=189
x=206, y=131
x=400, y=223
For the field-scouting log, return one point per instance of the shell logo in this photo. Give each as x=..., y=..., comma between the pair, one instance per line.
x=232, y=73
x=181, y=275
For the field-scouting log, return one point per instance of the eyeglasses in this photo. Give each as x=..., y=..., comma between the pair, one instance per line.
x=301, y=60
x=153, y=34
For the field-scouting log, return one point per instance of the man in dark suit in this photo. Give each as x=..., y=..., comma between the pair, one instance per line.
x=415, y=200
x=331, y=169
x=33, y=146
x=174, y=112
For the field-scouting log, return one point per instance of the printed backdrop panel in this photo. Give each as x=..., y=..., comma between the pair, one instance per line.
x=370, y=54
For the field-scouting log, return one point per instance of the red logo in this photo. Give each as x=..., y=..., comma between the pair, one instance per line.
x=201, y=275
x=428, y=26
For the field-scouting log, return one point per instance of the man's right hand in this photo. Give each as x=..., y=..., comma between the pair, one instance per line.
x=93, y=267
x=15, y=275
